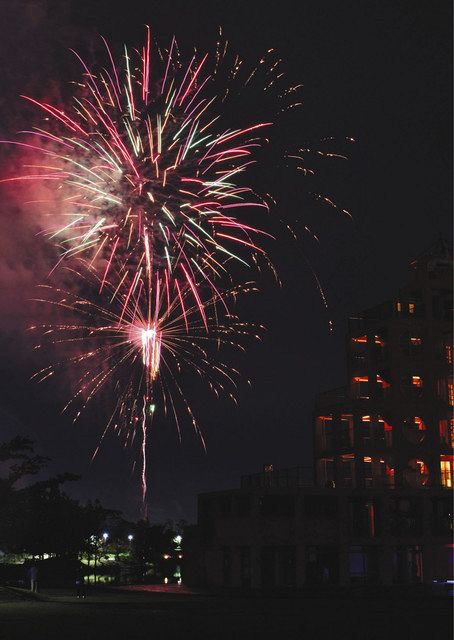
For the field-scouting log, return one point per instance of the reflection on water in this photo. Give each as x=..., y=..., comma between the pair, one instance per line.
x=105, y=579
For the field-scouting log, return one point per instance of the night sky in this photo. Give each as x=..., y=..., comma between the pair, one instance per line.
x=379, y=72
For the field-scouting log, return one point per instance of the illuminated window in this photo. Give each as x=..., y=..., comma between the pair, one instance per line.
x=411, y=307
x=360, y=339
x=412, y=386
x=386, y=474
x=416, y=474
x=448, y=353
x=415, y=342
x=382, y=383
x=379, y=341
x=398, y=307
x=419, y=424
x=446, y=468
x=422, y=467
x=447, y=432
x=388, y=433
x=451, y=393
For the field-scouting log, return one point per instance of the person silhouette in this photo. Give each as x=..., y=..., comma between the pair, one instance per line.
x=80, y=583
x=33, y=575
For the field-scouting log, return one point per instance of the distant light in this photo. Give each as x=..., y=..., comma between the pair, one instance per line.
x=166, y=556
x=130, y=537
x=180, y=555
x=178, y=539
x=152, y=408
x=105, y=535
x=166, y=580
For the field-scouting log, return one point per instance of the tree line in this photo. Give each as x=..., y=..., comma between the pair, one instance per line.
x=39, y=519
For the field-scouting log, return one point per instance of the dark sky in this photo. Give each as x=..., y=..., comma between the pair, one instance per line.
x=377, y=71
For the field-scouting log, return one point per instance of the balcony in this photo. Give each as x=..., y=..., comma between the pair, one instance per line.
x=293, y=478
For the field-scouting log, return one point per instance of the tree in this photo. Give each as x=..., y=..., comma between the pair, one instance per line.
x=40, y=517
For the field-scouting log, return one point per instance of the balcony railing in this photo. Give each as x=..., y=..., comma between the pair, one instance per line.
x=294, y=477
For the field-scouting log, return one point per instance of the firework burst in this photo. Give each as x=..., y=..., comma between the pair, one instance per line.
x=148, y=176
x=156, y=207
x=137, y=351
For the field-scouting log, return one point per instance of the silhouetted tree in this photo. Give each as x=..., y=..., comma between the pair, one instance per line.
x=39, y=517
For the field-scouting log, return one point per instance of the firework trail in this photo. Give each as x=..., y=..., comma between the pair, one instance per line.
x=138, y=351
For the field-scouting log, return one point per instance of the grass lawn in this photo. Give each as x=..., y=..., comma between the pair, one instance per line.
x=130, y=616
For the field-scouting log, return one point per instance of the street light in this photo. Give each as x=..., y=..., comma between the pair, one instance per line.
x=105, y=535
x=130, y=537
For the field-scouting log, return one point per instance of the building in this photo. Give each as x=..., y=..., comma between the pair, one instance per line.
x=392, y=425
x=378, y=507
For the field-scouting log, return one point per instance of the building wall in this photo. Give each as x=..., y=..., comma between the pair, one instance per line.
x=293, y=538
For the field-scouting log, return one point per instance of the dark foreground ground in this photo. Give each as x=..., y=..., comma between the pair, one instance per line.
x=144, y=615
